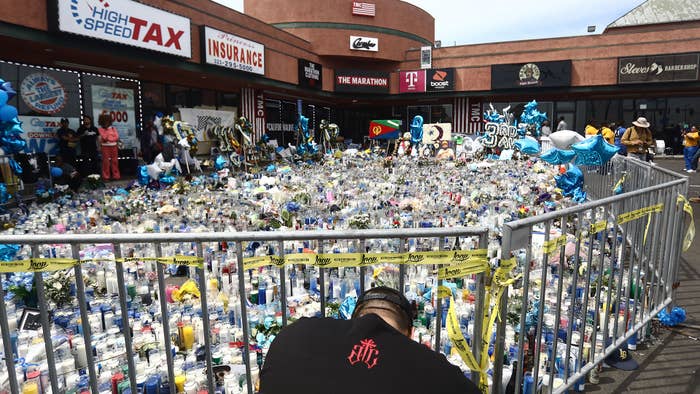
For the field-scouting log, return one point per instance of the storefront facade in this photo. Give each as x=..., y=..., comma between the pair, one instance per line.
x=349, y=62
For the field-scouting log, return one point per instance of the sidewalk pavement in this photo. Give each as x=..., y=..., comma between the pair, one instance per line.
x=671, y=362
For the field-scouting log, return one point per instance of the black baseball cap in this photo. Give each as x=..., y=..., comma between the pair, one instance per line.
x=621, y=358
x=383, y=293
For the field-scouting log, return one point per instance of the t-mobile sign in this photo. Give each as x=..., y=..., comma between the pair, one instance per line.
x=412, y=81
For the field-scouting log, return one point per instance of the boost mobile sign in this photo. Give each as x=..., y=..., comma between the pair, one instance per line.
x=127, y=22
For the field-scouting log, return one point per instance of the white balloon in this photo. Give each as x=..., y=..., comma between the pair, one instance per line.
x=153, y=171
x=563, y=139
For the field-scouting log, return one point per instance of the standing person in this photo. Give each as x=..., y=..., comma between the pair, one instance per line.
x=562, y=124
x=149, y=141
x=619, y=132
x=88, y=134
x=109, y=136
x=696, y=155
x=591, y=129
x=67, y=141
x=371, y=353
x=638, y=139
x=607, y=133
x=545, y=130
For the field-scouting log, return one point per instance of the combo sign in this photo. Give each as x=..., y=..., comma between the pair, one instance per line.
x=127, y=22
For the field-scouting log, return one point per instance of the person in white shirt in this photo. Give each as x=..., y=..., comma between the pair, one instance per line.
x=562, y=124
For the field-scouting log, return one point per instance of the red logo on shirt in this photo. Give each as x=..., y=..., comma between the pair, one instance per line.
x=365, y=352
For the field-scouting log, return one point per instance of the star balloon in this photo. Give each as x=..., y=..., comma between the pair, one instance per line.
x=593, y=151
x=528, y=146
x=558, y=156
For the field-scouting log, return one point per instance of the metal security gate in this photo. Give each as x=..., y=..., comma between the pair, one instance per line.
x=108, y=331
x=594, y=275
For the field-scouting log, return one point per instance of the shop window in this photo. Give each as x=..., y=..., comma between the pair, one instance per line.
x=116, y=97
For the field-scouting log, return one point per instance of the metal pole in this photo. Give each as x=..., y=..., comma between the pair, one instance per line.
x=438, y=308
x=80, y=293
x=500, y=344
x=201, y=274
x=322, y=280
x=46, y=328
x=543, y=293
x=126, y=324
x=283, y=286
x=244, y=316
x=479, y=309
x=7, y=346
x=402, y=267
x=363, y=270
x=574, y=286
x=557, y=314
x=165, y=320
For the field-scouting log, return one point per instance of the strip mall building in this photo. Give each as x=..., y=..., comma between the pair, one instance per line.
x=345, y=61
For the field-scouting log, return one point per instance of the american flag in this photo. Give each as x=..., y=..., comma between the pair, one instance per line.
x=367, y=9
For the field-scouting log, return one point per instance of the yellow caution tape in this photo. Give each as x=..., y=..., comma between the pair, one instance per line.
x=464, y=269
x=57, y=264
x=553, y=244
x=500, y=281
x=37, y=265
x=597, y=227
x=639, y=213
x=335, y=260
x=444, y=292
x=690, y=232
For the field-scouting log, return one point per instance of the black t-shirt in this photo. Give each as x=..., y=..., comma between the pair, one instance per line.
x=88, y=140
x=363, y=355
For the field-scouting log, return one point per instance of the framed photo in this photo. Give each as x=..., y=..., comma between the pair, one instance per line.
x=30, y=320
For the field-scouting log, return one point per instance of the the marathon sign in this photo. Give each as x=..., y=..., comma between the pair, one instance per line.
x=658, y=68
x=357, y=81
x=500, y=135
x=433, y=80
x=530, y=75
x=310, y=74
x=127, y=22
x=226, y=50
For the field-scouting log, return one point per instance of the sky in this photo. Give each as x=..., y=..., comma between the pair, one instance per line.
x=459, y=22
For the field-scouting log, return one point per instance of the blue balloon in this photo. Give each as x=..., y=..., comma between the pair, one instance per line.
x=56, y=172
x=529, y=146
x=593, y=151
x=3, y=97
x=16, y=168
x=143, y=176
x=220, y=163
x=558, y=156
x=571, y=184
x=7, y=87
x=7, y=113
x=416, y=129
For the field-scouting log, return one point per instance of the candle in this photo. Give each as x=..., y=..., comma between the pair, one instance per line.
x=152, y=385
x=190, y=388
x=116, y=379
x=187, y=337
x=180, y=383
x=30, y=388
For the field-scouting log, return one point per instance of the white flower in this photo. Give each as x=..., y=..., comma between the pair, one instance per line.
x=57, y=285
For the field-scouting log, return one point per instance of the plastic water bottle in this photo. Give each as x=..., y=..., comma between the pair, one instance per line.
x=528, y=383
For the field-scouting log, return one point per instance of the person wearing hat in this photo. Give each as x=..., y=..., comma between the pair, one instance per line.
x=638, y=139
x=445, y=152
x=370, y=353
x=67, y=141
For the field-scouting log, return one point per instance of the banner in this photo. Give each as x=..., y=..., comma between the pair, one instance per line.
x=127, y=22
x=530, y=75
x=500, y=135
x=205, y=119
x=433, y=133
x=360, y=81
x=310, y=74
x=658, y=68
x=226, y=50
x=384, y=129
x=40, y=132
x=119, y=103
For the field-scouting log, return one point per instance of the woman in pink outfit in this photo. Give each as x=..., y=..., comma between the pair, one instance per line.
x=109, y=137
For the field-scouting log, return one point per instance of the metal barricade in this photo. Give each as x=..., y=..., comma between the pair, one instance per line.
x=593, y=275
x=123, y=260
